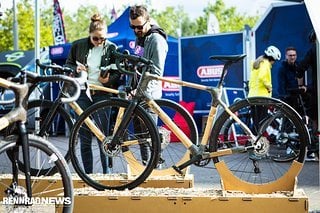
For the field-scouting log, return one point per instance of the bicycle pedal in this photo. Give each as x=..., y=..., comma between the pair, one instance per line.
x=176, y=168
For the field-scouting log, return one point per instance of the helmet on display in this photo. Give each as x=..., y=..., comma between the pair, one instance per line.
x=273, y=52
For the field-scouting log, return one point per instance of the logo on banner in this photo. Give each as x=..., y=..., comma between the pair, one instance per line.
x=14, y=56
x=170, y=87
x=132, y=44
x=56, y=51
x=213, y=71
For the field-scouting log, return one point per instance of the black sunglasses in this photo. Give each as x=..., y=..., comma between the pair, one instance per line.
x=98, y=38
x=139, y=27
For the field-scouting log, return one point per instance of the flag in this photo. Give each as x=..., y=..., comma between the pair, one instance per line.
x=58, y=26
x=114, y=14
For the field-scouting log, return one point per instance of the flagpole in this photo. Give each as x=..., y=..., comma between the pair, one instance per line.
x=15, y=27
x=37, y=33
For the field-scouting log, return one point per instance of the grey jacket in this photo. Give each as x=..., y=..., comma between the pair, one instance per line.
x=155, y=48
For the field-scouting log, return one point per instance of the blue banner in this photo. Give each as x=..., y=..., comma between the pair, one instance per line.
x=196, y=66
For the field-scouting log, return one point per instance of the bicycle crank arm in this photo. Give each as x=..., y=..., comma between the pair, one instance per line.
x=194, y=159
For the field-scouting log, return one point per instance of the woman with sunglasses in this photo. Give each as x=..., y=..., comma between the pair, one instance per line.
x=91, y=55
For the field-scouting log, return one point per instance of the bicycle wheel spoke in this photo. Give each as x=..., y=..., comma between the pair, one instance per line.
x=277, y=131
x=106, y=166
x=42, y=156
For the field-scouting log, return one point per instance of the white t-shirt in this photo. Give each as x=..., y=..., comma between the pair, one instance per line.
x=94, y=62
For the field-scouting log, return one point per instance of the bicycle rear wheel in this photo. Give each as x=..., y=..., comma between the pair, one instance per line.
x=124, y=166
x=280, y=134
x=52, y=130
x=43, y=155
x=259, y=166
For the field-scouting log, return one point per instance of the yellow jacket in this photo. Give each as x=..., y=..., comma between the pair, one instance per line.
x=260, y=80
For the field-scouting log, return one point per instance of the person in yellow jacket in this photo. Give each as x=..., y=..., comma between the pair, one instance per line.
x=260, y=77
x=260, y=82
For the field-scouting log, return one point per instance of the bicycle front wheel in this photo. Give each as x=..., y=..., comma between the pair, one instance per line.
x=122, y=166
x=52, y=129
x=263, y=117
x=43, y=155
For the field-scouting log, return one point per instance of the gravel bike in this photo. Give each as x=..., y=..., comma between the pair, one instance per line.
x=251, y=162
x=46, y=116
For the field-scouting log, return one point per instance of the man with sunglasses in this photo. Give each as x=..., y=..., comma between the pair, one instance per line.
x=151, y=43
x=92, y=56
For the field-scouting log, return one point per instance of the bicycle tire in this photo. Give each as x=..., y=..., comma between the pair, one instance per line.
x=61, y=119
x=240, y=163
x=173, y=152
x=134, y=172
x=42, y=153
x=233, y=135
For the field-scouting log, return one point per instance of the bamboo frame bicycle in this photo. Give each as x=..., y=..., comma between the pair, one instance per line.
x=51, y=113
x=251, y=162
x=19, y=152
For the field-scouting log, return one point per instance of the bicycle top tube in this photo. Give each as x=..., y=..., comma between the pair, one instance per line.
x=148, y=76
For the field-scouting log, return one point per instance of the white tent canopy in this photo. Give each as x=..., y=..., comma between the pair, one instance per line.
x=313, y=10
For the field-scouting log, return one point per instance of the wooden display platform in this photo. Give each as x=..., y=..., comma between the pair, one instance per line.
x=159, y=200
x=172, y=193
x=172, y=181
x=162, y=194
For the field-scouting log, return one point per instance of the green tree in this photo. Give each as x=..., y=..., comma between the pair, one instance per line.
x=229, y=19
x=170, y=19
x=174, y=20
x=26, y=26
x=77, y=23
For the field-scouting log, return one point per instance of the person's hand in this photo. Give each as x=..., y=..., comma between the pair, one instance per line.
x=303, y=87
x=105, y=79
x=131, y=94
x=80, y=67
x=269, y=89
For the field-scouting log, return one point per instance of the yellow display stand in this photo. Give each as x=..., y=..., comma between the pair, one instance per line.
x=174, y=193
x=159, y=200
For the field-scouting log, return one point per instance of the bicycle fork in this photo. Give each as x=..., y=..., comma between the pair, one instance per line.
x=119, y=127
x=15, y=188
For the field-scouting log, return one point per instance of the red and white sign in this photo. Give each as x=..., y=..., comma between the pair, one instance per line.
x=170, y=87
x=213, y=71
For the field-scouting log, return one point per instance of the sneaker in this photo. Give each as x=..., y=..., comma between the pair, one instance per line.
x=311, y=157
